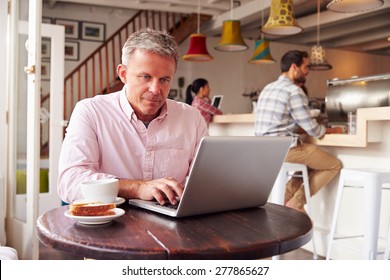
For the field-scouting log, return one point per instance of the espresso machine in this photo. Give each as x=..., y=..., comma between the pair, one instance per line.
x=348, y=95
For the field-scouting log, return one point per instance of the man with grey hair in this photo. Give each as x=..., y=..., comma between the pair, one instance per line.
x=136, y=134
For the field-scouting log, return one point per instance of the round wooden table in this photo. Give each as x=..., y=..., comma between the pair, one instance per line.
x=140, y=234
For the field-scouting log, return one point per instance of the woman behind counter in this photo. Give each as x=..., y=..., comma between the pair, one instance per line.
x=202, y=100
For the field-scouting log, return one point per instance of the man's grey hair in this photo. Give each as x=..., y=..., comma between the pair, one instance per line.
x=149, y=40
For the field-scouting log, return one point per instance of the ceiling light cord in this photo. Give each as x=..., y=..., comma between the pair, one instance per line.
x=318, y=22
x=262, y=22
x=231, y=9
x=198, y=16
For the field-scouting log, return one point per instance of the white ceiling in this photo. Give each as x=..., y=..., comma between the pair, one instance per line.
x=367, y=31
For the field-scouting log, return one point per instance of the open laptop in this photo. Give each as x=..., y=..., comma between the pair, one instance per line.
x=228, y=173
x=217, y=101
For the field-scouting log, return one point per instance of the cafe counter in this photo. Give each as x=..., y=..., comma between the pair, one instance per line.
x=369, y=122
x=368, y=148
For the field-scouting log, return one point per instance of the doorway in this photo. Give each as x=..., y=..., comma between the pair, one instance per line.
x=22, y=207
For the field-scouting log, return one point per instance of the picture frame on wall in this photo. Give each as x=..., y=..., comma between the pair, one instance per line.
x=72, y=50
x=46, y=49
x=45, y=71
x=93, y=31
x=71, y=27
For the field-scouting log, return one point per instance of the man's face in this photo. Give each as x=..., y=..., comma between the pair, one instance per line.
x=302, y=72
x=148, y=77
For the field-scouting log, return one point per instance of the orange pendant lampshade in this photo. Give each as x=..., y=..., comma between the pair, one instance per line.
x=281, y=20
x=197, y=50
x=231, y=40
x=262, y=54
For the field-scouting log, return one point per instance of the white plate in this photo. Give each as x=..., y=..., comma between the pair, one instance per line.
x=96, y=220
x=119, y=201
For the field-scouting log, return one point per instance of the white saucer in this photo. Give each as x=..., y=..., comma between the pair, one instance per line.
x=96, y=220
x=119, y=201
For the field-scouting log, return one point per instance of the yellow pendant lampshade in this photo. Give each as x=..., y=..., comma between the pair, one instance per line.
x=354, y=6
x=281, y=20
x=262, y=54
x=317, y=59
x=231, y=40
x=197, y=50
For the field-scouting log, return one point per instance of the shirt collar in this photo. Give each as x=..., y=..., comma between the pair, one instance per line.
x=284, y=78
x=129, y=111
x=164, y=111
x=125, y=104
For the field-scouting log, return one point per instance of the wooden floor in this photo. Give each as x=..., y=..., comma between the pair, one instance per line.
x=46, y=253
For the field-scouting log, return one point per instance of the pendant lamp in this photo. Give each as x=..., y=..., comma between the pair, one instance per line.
x=353, y=6
x=318, y=61
x=317, y=57
x=198, y=50
x=281, y=20
x=231, y=39
x=262, y=54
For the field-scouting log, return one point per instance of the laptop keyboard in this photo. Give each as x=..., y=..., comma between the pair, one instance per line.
x=168, y=205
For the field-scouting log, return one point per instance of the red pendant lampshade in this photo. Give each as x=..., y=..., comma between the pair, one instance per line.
x=198, y=49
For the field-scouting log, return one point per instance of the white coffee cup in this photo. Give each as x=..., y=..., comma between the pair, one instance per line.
x=103, y=190
x=315, y=113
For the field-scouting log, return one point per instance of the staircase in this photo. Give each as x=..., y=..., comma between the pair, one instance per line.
x=97, y=73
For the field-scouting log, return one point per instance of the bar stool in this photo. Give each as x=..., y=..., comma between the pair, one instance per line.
x=372, y=181
x=387, y=251
x=287, y=171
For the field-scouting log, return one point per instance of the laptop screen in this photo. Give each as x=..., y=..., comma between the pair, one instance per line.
x=228, y=172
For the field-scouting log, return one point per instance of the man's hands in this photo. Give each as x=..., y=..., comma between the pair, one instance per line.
x=158, y=189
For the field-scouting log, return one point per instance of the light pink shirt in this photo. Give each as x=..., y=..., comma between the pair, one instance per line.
x=105, y=139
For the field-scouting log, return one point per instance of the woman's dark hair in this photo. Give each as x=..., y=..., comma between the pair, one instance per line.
x=292, y=57
x=194, y=87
